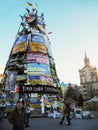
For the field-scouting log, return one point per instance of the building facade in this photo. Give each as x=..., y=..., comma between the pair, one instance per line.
x=88, y=80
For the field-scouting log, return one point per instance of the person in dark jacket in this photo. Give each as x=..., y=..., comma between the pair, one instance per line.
x=28, y=111
x=18, y=116
x=66, y=113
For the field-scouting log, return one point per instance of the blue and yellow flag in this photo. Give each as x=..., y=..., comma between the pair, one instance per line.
x=29, y=4
x=63, y=86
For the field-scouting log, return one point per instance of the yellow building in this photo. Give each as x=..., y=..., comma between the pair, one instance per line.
x=88, y=79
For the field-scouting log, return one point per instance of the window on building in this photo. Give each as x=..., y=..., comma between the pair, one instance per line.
x=84, y=90
x=93, y=77
x=84, y=86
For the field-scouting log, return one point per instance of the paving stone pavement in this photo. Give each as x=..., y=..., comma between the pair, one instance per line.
x=53, y=124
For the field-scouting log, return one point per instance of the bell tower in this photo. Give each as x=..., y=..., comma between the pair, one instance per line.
x=86, y=61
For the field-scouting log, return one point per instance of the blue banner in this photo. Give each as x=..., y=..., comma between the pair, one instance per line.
x=38, y=38
x=21, y=39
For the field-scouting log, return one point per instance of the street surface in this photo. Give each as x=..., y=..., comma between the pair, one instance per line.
x=52, y=124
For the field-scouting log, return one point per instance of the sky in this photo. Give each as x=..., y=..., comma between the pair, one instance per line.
x=74, y=27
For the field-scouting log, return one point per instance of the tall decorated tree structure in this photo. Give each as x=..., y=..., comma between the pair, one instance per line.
x=30, y=67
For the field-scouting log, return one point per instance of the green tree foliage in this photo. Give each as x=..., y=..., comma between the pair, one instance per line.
x=73, y=95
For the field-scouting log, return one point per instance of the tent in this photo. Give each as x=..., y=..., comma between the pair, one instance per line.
x=94, y=99
x=93, y=103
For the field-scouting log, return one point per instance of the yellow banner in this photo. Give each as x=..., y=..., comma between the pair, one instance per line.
x=36, y=82
x=37, y=47
x=35, y=105
x=9, y=109
x=19, y=48
x=42, y=82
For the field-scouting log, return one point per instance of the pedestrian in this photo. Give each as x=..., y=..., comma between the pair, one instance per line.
x=18, y=116
x=1, y=113
x=28, y=112
x=2, y=109
x=66, y=113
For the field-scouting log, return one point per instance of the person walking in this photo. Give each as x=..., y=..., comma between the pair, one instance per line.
x=1, y=113
x=2, y=109
x=66, y=113
x=28, y=111
x=18, y=116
